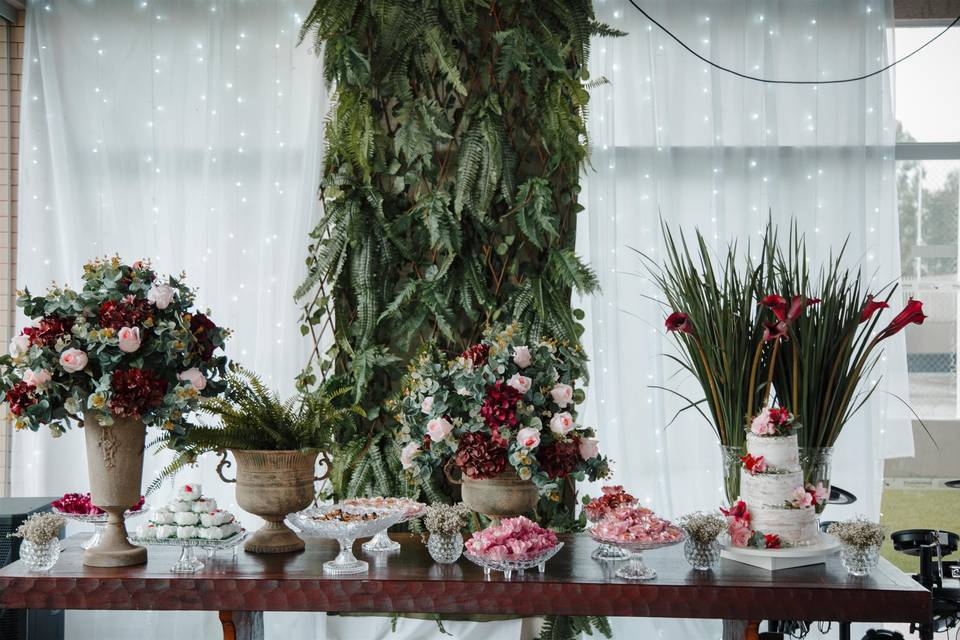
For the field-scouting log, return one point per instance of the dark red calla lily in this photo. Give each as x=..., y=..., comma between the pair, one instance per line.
x=798, y=304
x=775, y=330
x=912, y=314
x=870, y=307
x=776, y=304
x=678, y=321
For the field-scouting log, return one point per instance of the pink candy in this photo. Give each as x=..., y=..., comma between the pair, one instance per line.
x=513, y=538
x=636, y=524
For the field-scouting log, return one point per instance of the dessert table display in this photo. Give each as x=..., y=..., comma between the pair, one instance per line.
x=572, y=584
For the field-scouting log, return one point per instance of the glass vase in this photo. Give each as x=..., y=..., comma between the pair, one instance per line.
x=702, y=557
x=40, y=557
x=445, y=549
x=859, y=561
x=815, y=462
x=730, y=461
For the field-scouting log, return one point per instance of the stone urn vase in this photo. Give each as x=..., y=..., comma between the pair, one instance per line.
x=115, y=467
x=272, y=484
x=505, y=496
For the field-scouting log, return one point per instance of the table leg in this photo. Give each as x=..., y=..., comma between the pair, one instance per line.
x=242, y=625
x=752, y=632
x=844, y=631
x=741, y=629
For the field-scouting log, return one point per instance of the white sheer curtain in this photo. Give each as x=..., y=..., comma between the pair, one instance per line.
x=673, y=137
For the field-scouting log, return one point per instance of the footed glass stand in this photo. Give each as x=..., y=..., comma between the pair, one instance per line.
x=381, y=542
x=98, y=520
x=311, y=524
x=637, y=569
x=507, y=567
x=188, y=561
x=607, y=552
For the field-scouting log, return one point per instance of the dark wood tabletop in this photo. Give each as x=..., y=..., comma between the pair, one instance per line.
x=410, y=582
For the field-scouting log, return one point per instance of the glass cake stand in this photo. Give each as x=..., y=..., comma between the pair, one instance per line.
x=508, y=566
x=381, y=541
x=188, y=562
x=344, y=532
x=98, y=520
x=637, y=569
x=606, y=552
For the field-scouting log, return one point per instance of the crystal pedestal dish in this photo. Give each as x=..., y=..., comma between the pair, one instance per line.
x=509, y=565
x=321, y=522
x=188, y=562
x=98, y=520
x=607, y=552
x=637, y=569
x=381, y=542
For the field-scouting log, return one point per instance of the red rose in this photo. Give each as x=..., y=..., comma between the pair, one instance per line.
x=48, y=331
x=128, y=312
x=479, y=457
x=499, y=409
x=21, y=397
x=202, y=328
x=135, y=392
x=870, y=307
x=477, y=354
x=560, y=459
x=771, y=541
x=678, y=321
x=911, y=314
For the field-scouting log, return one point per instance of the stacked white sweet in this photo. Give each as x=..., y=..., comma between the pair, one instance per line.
x=190, y=516
x=771, y=482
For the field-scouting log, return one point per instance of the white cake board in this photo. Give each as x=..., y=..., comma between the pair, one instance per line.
x=777, y=559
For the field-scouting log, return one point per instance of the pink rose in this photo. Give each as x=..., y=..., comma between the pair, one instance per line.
x=194, y=377
x=129, y=338
x=561, y=423
x=427, y=405
x=762, y=424
x=528, y=437
x=19, y=346
x=589, y=448
x=521, y=357
x=740, y=534
x=408, y=453
x=760, y=466
x=520, y=383
x=161, y=295
x=73, y=360
x=802, y=498
x=39, y=378
x=562, y=394
x=439, y=428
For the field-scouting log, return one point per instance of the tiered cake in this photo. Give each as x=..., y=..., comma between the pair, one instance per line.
x=771, y=485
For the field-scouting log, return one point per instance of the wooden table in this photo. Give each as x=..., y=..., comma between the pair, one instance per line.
x=410, y=582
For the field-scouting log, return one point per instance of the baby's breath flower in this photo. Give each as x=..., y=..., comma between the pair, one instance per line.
x=860, y=533
x=40, y=528
x=703, y=527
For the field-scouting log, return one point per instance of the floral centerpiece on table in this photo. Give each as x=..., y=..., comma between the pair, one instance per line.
x=500, y=404
x=129, y=344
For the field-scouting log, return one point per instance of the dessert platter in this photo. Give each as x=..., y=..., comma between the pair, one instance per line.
x=635, y=530
x=613, y=497
x=344, y=524
x=774, y=525
x=78, y=507
x=411, y=509
x=190, y=522
x=516, y=544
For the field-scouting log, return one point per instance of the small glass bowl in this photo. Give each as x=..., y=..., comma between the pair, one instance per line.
x=508, y=566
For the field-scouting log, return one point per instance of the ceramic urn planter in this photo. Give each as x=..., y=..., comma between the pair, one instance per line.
x=115, y=467
x=272, y=484
x=505, y=496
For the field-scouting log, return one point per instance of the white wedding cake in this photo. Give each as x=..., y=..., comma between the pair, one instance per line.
x=190, y=516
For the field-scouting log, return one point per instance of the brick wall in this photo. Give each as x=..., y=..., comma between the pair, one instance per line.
x=11, y=64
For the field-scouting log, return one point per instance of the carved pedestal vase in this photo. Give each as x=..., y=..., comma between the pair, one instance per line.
x=115, y=467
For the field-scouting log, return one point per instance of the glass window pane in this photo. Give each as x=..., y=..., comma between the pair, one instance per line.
x=928, y=93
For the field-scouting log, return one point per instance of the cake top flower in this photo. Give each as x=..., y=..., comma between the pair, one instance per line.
x=773, y=421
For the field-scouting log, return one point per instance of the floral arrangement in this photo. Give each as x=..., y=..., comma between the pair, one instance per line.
x=859, y=533
x=445, y=519
x=127, y=345
x=613, y=497
x=80, y=504
x=742, y=534
x=773, y=422
x=512, y=539
x=636, y=524
x=809, y=496
x=500, y=404
x=40, y=528
x=703, y=528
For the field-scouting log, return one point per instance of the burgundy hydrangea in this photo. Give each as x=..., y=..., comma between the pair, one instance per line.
x=201, y=327
x=479, y=457
x=560, y=458
x=477, y=354
x=48, y=331
x=135, y=391
x=21, y=397
x=128, y=312
x=499, y=409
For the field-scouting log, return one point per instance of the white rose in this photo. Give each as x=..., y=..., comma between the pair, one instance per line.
x=521, y=357
x=528, y=437
x=73, y=360
x=408, y=453
x=194, y=377
x=19, y=346
x=562, y=394
x=589, y=448
x=427, y=405
x=161, y=295
x=38, y=379
x=438, y=429
x=129, y=338
x=520, y=383
x=562, y=423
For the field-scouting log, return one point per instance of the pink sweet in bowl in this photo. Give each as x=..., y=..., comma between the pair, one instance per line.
x=513, y=538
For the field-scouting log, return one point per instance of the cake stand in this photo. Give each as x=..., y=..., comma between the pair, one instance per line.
x=606, y=552
x=786, y=558
x=509, y=565
x=98, y=520
x=188, y=562
x=381, y=541
x=310, y=525
x=637, y=569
